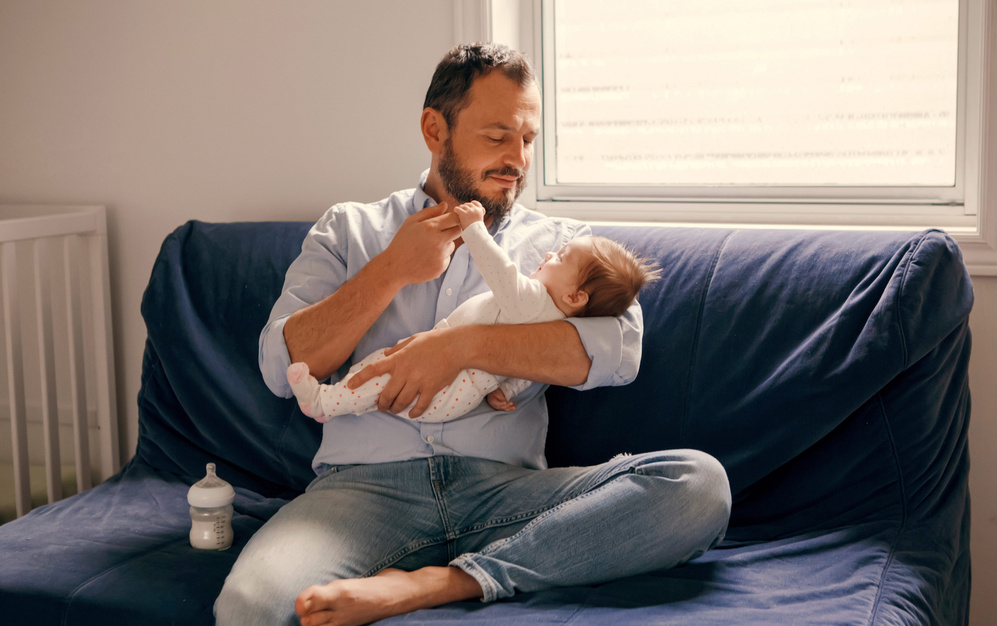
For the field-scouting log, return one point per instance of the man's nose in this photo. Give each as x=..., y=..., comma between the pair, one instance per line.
x=517, y=155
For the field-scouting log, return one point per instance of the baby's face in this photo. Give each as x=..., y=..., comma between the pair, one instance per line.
x=559, y=270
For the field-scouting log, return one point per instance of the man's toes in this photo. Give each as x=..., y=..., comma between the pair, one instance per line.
x=307, y=602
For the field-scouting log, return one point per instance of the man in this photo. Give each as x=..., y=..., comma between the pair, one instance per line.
x=407, y=515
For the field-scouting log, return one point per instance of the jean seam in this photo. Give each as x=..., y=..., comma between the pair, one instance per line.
x=535, y=513
x=437, y=482
x=402, y=553
x=492, y=547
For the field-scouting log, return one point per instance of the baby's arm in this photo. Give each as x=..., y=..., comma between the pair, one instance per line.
x=502, y=398
x=498, y=401
x=469, y=213
x=519, y=297
x=512, y=387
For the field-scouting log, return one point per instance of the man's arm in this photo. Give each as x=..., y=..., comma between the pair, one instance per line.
x=325, y=334
x=549, y=352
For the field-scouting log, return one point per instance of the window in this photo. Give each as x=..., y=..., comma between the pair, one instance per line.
x=839, y=113
x=773, y=93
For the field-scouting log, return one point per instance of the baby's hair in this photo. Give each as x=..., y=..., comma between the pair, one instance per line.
x=612, y=278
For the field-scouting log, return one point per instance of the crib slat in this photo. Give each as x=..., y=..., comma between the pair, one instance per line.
x=77, y=378
x=107, y=408
x=46, y=360
x=15, y=378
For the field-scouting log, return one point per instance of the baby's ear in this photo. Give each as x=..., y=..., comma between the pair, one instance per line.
x=576, y=300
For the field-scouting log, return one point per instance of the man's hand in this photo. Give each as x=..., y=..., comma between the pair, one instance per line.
x=325, y=334
x=469, y=213
x=420, y=366
x=421, y=249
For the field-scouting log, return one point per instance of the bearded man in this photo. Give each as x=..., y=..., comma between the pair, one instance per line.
x=405, y=514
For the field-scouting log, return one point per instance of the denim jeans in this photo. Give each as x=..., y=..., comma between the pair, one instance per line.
x=512, y=529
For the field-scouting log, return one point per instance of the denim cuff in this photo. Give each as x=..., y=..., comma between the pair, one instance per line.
x=489, y=590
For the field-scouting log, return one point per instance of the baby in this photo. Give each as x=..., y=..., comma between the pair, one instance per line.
x=589, y=276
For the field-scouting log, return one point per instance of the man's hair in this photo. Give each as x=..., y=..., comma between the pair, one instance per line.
x=612, y=278
x=463, y=64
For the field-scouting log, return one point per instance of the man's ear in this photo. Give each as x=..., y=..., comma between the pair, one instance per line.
x=434, y=129
x=576, y=300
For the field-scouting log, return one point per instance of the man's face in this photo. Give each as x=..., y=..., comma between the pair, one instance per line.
x=489, y=150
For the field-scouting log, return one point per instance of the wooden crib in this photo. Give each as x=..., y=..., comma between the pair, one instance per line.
x=59, y=362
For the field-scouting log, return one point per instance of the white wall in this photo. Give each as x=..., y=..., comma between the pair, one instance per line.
x=223, y=110
x=249, y=110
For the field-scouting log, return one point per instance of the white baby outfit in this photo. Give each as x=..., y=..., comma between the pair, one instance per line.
x=513, y=299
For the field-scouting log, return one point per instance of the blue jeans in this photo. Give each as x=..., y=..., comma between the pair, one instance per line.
x=512, y=529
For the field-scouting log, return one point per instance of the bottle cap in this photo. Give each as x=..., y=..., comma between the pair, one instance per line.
x=210, y=491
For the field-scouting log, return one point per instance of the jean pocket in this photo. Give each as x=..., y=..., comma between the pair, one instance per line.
x=325, y=471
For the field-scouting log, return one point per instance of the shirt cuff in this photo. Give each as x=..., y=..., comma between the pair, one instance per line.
x=274, y=365
x=613, y=345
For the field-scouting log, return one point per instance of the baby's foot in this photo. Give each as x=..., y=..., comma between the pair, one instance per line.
x=297, y=373
x=306, y=390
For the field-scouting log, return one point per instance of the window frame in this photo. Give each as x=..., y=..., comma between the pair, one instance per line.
x=970, y=217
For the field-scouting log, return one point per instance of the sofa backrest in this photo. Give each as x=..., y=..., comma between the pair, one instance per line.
x=203, y=398
x=826, y=370
x=773, y=350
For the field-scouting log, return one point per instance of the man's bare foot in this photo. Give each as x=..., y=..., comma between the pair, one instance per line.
x=355, y=601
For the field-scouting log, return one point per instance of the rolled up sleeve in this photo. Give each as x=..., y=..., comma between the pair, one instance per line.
x=315, y=274
x=614, y=345
x=274, y=359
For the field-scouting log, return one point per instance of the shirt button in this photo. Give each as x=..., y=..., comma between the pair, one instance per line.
x=449, y=291
x=430, y=439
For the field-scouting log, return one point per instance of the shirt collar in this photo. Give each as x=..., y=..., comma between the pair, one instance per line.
x=421, y=200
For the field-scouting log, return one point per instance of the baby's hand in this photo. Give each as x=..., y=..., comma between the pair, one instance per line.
x=469, y=213
x=499, y=402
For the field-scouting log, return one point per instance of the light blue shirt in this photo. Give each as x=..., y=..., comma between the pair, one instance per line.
x=351, y=234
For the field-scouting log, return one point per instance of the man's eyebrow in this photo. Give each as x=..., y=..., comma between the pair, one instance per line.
x=509, y=129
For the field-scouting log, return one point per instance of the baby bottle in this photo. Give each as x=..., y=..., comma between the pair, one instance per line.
x=210, y=502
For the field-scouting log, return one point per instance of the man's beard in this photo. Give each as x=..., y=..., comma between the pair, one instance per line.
x=461, y=184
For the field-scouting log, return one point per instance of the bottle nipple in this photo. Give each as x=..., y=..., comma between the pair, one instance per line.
x=210, y=491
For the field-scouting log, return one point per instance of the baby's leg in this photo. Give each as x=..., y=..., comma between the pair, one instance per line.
x=462, y=395
x=322, y=402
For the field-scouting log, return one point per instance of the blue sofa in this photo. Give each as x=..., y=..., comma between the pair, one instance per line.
x=827, y=371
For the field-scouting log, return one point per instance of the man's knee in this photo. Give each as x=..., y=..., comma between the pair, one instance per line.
x=699, y=489
x=230, y=605
x=256, y=594
x=712, y=489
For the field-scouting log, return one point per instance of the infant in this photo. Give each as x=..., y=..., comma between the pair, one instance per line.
x=588, y=277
